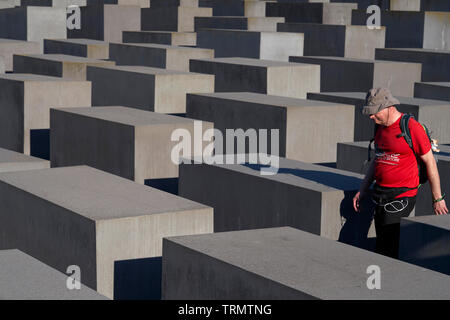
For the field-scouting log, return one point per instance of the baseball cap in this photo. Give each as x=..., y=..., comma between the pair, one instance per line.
x=378, y=99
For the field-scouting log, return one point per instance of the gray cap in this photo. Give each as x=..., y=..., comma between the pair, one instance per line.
x=378, y=99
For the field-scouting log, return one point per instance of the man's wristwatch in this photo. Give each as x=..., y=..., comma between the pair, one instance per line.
x=439, y=199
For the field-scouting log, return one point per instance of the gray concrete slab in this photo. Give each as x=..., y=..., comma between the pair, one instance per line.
x=337, y=40
x=15, y=161
x=57, y=65
x=7, y=4
x=173, y=3
x=324, y=13
x=285, y=263
x=107, y=22
x=53, y=3
x=140, y=3
x=161, y=37
x=2, y=65
x=261, y=76
x=23, y=277
x=340, y=74
x=427, y=111
x=409, y=29
x=87, y=48
x=432, y=90
x=239, y=23
x=33, y=23
x=419, y=5
x=247, y=8
x=9, y=47
x=151, y=89
x=156, y=55
x=95, y=218
x=311, y=197
x=179, y=19
x=434, y=62
x=251, y=44
x=127, y=142
x=362, y=4
x=302, y=137
x=26, y=100
x=424, y=242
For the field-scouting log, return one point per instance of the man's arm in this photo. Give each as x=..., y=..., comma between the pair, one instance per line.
x=435, y=182
x=368, y=179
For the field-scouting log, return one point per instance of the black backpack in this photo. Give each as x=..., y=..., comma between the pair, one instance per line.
x=406, y=134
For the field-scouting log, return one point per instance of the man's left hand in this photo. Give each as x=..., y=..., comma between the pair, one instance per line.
x=440, y=208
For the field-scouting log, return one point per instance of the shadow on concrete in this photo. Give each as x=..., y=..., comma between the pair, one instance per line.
x=169, y=185
x=138, y=279
x=40, y=143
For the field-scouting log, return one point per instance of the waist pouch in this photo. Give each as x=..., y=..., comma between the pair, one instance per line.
x=382, y=195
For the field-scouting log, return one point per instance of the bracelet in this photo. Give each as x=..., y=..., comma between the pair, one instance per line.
x=440, y=199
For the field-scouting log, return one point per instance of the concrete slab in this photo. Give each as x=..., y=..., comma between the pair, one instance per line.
x=179, y=19
x=95, y=218
x=57, y=65
x=26, y=100
x=432, y=90
x=23, y=277
x=33, y=23
x=364, y=4
x=145, y=88
x=156, y=55
x=247, y=8
x=9, y=47
x=261, y=76
x=429, y=112
x=285, y=263
x=53, y=3
x=419, y=5
x=87, y=48
x=409, y=29
x=2, y=65
x=161, y=37
x=337, y=40
x=360, y=75
x=434, y=62
x=7, y=4
x=140, y=3
x=313, y=198
x=323, y=13
x=251, y=44
x=127, y=142
x=15, y=161
x=309, y=130
x=173, y=3
x=239, y=23
x=424, y=242
x=106, y=22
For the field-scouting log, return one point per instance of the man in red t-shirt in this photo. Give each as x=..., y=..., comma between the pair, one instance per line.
x=395, y=170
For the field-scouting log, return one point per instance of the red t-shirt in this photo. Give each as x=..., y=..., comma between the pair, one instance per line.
x=395, y=162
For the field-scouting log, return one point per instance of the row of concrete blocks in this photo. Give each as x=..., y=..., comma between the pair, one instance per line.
x=73, y=198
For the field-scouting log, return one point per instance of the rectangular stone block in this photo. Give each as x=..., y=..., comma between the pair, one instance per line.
x=360, y=75
x=53, y=3
x=2, y=65
x=26, y=100
x=364, y=4
x=337, y=40
x=313, y=198
x=179, y=19
x=156, y=55
x=239, y=23
x=161, y=37
x=430, y=112
x=23, y=277
x=140, y=3
x=57, y=65
x=15, y=161
x=95, y=219
x=323, y=13
x=424, y=242
x=87, y=48
x=432, y=90
x=285, y=264
x=127, y=142
x=9, y=47
x=33, y=23
x=435, y=63
x=309, y=130
x=419, y=5
x=106, y=22
x=251, y=44
x=145, y=88
x=409, y=29
x=7, y=4
x=261, y=76
x=173, y=3
x=247, y=8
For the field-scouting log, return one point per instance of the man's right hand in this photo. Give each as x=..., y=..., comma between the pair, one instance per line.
x=356, y=199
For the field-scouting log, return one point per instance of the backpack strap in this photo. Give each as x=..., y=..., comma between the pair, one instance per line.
x=404, y=127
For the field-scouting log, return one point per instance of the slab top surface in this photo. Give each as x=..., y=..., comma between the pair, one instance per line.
x=82, y=41
x=318, y=266
x=65, y=58
x=7, y=156
x=442, y=84
x=4, y=40
x=442, y=222
x=345, y=59
x=160, y=46
x=417, y=50
x=253, y=62
x=95, y=194
x=34, y=77
x=148, y=70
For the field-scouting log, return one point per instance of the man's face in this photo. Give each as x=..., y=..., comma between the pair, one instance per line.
x=381, y=117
